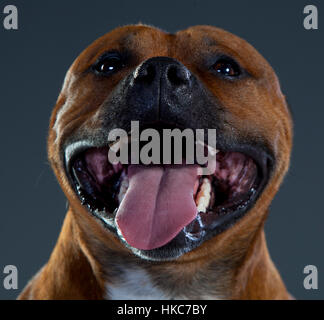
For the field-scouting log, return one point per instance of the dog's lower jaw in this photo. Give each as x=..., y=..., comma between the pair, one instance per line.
x=90, y=270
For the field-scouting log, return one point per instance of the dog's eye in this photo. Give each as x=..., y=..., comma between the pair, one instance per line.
x=227, y=68
x=109, y=64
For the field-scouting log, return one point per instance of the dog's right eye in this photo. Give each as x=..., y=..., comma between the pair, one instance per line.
x=108, y=64
x=227, y=67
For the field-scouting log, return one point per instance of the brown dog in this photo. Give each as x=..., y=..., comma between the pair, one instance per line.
x=202, y=77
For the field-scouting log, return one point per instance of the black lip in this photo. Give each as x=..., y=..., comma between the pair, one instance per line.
x=184, y=241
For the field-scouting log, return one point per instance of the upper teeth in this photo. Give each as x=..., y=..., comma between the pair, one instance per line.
x=123, y=187
x=212, y=150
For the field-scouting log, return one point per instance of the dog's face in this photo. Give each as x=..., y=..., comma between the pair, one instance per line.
x=199, y=78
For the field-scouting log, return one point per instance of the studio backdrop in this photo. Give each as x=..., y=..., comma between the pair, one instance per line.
x=49, y=35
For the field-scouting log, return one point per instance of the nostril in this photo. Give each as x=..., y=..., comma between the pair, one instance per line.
x=163, y=69
x=177, y=75
x=146, y=73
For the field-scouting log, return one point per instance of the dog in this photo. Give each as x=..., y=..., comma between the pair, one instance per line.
x=116, y=244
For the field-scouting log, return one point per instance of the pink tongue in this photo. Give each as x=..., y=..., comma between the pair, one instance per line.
x=157, y=205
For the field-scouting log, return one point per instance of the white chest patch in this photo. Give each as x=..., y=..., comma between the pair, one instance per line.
x=135, y=285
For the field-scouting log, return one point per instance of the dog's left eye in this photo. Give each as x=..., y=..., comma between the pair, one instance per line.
x=227, y=67
x=109, y=64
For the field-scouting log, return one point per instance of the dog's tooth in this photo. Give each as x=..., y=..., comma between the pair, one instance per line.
x=212, y=151
x=204, y=195
x=123, y=188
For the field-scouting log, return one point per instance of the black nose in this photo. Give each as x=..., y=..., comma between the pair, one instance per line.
x=164, y=70
x=161, y=90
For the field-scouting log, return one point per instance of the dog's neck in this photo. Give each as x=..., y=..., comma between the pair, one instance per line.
x=103, y=272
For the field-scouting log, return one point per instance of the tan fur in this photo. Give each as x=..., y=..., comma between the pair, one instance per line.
x=233, y=265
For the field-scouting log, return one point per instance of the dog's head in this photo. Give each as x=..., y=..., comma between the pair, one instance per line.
x=199, y=78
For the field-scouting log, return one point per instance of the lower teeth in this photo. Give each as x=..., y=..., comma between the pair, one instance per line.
x=204, y=195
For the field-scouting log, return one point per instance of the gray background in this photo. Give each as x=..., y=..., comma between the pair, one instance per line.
x=51, y=34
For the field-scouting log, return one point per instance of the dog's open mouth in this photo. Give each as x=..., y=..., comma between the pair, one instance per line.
x=151, y=206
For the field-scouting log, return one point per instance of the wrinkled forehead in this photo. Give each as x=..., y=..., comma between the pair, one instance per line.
x=145, y=42
x=215, y=39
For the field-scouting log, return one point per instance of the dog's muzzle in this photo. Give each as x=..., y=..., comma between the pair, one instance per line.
x=163, y=211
